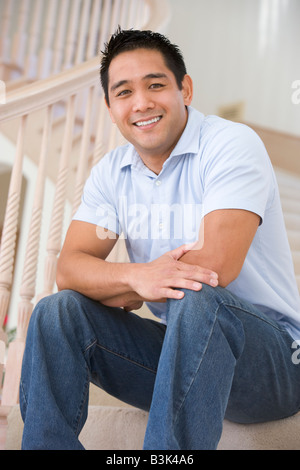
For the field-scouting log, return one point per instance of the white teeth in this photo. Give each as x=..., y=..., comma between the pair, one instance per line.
x=146, y=123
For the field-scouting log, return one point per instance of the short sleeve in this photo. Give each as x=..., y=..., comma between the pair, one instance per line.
x=97, y=204
x=236, y=171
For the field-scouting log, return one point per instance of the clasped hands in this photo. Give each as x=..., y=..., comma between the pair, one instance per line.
x=162, y=279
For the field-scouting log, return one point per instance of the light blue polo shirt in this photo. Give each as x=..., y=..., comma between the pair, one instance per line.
x=216, y=164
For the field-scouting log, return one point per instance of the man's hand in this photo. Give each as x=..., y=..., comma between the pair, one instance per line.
x=160, y=279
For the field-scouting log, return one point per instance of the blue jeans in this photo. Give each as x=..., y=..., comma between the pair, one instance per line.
x=218, y=357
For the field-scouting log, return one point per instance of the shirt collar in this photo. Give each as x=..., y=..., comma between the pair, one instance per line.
x=189, y=142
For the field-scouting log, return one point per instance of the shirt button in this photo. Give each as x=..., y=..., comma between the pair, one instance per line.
x=161, y=226
x=158, y=183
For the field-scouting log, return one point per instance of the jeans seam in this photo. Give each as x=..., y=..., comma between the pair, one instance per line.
x=94, y=341
x=126, y=358
x=81, y=406
x=253, y=314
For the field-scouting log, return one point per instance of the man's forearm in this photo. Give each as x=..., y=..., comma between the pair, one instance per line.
x=94, y=277
x=124, y=284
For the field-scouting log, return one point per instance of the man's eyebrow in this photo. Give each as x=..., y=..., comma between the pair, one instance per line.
x=155, y=75
x=147, y=77
x=118, y=84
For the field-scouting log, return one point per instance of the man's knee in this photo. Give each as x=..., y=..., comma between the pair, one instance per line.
x=51, y=310
x=209, y=306
x=194, y=304
x=193, y=300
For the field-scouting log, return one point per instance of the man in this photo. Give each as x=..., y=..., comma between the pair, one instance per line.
x=197, y=202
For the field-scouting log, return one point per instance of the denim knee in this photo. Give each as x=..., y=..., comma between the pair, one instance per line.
x=194, y=302
x=203, y=310
x=56, y=311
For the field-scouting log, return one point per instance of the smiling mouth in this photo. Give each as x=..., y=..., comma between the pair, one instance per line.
x=147, y=123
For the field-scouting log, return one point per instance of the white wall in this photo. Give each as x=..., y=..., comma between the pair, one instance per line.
x=242, y=50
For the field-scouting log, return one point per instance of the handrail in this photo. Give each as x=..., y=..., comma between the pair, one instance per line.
x=42, y=93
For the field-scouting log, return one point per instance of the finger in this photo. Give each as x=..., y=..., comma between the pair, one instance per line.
x=185, y=277
x=172, y=293
x=185, y=284
x=193, y=271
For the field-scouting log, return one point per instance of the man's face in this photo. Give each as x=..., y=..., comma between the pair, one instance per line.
x=147, y=105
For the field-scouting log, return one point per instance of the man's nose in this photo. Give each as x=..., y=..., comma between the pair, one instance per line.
x=142, y=102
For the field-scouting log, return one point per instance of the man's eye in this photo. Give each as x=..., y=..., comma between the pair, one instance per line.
x=123, y=93
x=157, y=85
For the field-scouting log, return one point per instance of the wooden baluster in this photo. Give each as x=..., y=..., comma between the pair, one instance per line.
x=5, y=39
x=60, y=33
x=10, y=394
x=105, y=23
x=45, y=57
x=84, y=151
x=132, y=14
x=20, y=38
x=80, y=55
x=9, y=235
x=99, y=149
x=124, y=13
x=93, y=31
x=33, y=42
x=71, y=39
x=116, y=15
x=55, y=232
x=140, y=15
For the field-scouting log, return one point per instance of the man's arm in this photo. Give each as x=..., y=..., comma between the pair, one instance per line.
x=82, y=267
x=225, y=238
x=82, y=259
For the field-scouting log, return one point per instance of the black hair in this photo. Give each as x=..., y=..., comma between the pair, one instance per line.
x=129, y=40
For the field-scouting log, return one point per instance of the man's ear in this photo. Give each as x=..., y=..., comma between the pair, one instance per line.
x=187, y=90
x=109, y=110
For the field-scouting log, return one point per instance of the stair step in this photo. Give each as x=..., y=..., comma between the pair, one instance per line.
x=123, y=428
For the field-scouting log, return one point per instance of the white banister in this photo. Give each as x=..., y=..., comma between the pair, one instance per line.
x=5, y=38
x=55, y=234
x=84, y=151
x=72, y=33
x=21, y=34
x=31, y=60
x=27, y=290
x=105, y=21
x=94, y=30
x=46, y=53
x=83, y=32
x=66, y=111
x=9, y=234
x=59, y=42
